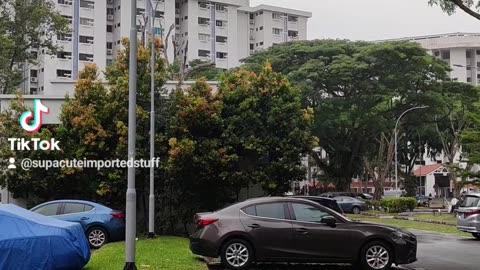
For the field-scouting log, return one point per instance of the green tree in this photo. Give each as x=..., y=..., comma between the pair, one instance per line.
x=471, y=7
x=357, y=91
x=25, y=25
x=199, y=69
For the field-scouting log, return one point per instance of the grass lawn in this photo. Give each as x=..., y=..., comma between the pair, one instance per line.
x=444, y=217
x=407, y=224
x=166, y=253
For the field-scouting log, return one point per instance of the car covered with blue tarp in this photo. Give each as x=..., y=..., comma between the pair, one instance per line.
x=30, y=241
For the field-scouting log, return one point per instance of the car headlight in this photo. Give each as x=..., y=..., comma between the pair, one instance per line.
x=399, y=235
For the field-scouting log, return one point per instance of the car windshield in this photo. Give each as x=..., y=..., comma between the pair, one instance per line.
x=471, y=201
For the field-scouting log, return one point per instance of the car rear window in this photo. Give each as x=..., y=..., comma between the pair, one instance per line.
x=269, y=210
x=471, y=201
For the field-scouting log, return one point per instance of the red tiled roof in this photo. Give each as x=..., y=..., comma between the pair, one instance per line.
x=426, y=170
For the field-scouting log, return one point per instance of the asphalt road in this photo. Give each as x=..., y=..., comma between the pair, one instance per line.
x=435, y=252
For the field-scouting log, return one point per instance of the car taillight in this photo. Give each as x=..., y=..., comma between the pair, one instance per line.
x=206, y=221
x=118, y=215
x=472, y=213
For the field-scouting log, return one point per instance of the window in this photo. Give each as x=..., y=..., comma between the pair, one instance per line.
x=68, y=18
x=87, y=4
x=109, y=45
x=276, y=31
x=110, y=11
x=292, y=19
x=478, y=52
x=177, y=21
x=261, y=43
x=86, y=57
x=270, y=210
x=221, y=23
x=33, y=73
x=308, y=213
x=252, y=16
x=203, y=5
x=222, y=55
x=34, y=54
x=72, y=208
x=221, y=8
x=261, y=28
x=203, y=21
x=62, y=73
x=140, y=11
x=33, y=91
x=468, y=53
x=471, y=201
x=64, y=37
x=203, y=53
x=250, y=210
x=64, y=55
x=277, y=16
x=252, y=46
x=203, y=37
x=86, y=21
x=159, y=14
x=65, y=2
x=186, y=18
x=445, y=54
x=221, y=39
x=109, y=28
x=469, y=79
x=86, y=39
x=109, y=62
x=261, y=12
x=48, y=210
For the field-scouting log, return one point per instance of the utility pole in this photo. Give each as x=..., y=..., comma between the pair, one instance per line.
x=151, y=198
x=131, y=208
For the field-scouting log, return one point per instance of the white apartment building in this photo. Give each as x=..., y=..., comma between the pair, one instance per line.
x=460, y=50
x=221, y=31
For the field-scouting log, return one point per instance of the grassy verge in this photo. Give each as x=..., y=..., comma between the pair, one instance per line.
x=444, y=217
x=407, y=224
x=166, y=253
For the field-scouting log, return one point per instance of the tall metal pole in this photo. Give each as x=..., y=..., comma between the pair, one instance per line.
x=131, y=208
x=151, y=198
x=396, y=136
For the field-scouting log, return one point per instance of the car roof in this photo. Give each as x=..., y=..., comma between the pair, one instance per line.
x=97, y=205
x=311, y=197
x=271, y=199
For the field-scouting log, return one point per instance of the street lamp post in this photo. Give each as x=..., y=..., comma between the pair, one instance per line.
x=396, y=143
x=151, y=198
x=131, y=196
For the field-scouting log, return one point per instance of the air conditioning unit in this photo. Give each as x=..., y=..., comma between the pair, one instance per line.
x=34, y=79
x=110, y=2
x=252, y=21
x=177, y=11
x=69, y=57
x=110, y=17
x=109, y=51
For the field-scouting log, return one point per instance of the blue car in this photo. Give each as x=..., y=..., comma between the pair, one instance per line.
x=100, y=223
x=351, y=205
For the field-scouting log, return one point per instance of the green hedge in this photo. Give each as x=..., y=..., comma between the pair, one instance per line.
x=397, y=205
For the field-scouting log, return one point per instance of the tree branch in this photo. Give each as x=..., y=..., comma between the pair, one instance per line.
x=462, y=6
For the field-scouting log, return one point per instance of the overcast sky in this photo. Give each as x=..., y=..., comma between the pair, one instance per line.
x=376, y=19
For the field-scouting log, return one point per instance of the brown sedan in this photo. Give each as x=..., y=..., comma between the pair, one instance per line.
x=297, y=230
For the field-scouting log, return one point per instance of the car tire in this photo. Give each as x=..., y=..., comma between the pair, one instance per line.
x=97, y=237
x=476, y=235
x=237, y=254
x=376, y=255
x=356, y=210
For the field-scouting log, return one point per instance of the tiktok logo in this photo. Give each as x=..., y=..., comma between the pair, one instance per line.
x=38, y=110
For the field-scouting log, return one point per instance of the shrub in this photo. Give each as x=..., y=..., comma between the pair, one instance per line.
x=397, y=205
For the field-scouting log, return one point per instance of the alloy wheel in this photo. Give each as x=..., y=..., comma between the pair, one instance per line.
x=96, y=238
x=377, y=257
x=237, y=255
x=356, y=210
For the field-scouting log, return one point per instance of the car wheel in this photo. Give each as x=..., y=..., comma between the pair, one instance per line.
x=376, y=256
x=97, y=237
x=476, y=235
x=356, y=210
x=237, y=254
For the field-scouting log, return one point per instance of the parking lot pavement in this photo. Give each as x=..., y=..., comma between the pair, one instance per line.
x=299, y=267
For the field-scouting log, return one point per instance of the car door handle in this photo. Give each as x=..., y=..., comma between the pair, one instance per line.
x=254, y=226
x=302, y=231
x=84, y=218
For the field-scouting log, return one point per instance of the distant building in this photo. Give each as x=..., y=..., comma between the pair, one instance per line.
x=460, y=50
x=221, y=32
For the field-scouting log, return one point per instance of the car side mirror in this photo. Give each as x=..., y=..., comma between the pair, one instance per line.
x=330, y=221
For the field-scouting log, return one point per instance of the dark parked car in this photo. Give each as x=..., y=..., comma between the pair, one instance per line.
x=327, y=202
x=100, y=223
x=351, y=205
x=363, y=196
x=297, y=230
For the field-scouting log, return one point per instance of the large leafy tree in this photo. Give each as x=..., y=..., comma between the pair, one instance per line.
x=471, y=7
x=25, y=25
x=357, y=90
